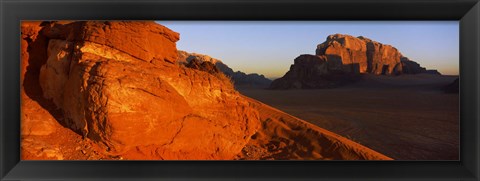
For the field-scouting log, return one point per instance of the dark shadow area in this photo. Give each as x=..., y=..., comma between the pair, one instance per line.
x=385, y=69
x=353, y=68
x=37, y=57
x=454, y=87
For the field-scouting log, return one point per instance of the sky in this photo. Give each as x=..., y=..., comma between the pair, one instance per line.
x=269, y=47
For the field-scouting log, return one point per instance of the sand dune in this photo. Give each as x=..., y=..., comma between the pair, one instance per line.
x=285, y=137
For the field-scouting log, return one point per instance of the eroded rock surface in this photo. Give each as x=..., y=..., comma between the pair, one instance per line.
x=342, y=59
x=117, y=84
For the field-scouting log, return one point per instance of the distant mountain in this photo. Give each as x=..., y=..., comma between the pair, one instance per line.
x=239, y=78
x=341, y=59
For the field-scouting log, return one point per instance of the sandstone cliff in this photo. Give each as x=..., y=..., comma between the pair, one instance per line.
x=239, y=78
x=125, y=92
x=341, y=59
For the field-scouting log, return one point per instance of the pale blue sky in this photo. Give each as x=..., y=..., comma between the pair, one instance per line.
x=269, y=47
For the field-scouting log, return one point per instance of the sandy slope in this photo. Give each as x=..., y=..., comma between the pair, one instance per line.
x=284, y=137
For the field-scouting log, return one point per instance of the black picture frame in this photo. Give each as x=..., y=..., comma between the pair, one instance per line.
x=465, y=11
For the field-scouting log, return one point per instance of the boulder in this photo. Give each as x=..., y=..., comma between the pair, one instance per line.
x=203, y=66
x=117, y=84
x=159, y=46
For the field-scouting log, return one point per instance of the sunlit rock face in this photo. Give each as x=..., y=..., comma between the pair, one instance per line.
x=341, y=59
x=117, y=83
x=360, y=55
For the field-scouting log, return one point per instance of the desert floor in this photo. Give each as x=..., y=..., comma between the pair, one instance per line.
x=406, y=117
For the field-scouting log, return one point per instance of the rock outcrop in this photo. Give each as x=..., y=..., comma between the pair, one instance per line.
x=203, y=66
x=117, y=84
x=341, y=59
x=310, y=72
x=239, y=78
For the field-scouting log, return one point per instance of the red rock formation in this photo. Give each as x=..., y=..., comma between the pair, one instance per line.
x=341, y=58
x=125, y=93
x=369, y=56
x=116, y=83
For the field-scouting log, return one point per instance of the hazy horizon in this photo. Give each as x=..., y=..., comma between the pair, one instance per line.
x=269, y=47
